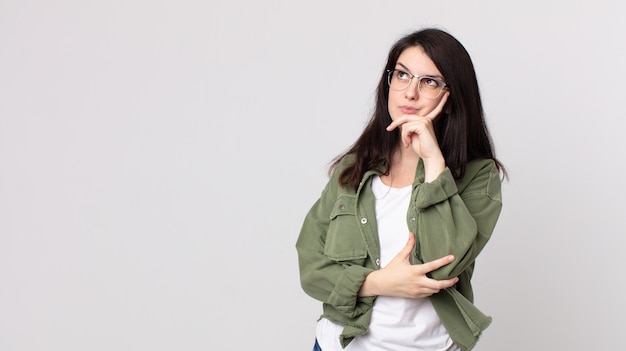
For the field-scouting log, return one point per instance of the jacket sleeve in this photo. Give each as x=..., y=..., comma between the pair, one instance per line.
x=458, y=222
x=331, y=254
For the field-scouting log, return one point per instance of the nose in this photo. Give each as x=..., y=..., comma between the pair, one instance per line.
x=412, y=91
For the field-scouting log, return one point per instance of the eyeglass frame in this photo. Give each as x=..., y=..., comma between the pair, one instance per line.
x=444, y=85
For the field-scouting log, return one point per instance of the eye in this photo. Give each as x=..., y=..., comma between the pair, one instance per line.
x=431, y=82
x=402, y=75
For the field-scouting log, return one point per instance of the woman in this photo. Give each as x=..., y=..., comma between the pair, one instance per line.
x=389, y=247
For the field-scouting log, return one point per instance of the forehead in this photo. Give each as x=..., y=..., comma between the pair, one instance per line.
x=415, y=60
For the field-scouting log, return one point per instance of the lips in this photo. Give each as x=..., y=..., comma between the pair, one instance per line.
x=407, y=110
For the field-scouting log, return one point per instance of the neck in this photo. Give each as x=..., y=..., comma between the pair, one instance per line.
x=405, y=155
x=401, y=168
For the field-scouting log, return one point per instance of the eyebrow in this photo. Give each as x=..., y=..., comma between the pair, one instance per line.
x=427, y=75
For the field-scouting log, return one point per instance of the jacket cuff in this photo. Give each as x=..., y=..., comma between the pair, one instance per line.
x=345, y=295
x=440, y=189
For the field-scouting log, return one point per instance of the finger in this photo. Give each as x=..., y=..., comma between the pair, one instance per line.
x=431, y=286
x=395, y=124
x=439, y=284
x=437, y=110
x=406, y=136
x=425, y=293
x=436, y=264
x=444, y=284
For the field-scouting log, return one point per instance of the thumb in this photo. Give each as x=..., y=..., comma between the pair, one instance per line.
x=406, y=251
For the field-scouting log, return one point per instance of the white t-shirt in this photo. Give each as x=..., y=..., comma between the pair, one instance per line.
x=398, y=324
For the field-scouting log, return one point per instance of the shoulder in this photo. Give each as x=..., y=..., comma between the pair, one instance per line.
x=336, y=169
x=344, y=162
x=340, y=166
x=481, y=176
x=481, y=165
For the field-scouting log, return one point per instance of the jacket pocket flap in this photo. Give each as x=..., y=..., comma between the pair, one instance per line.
x=344, y=241
x=345, y=205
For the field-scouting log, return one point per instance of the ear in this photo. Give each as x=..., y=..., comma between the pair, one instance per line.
x=446, y=107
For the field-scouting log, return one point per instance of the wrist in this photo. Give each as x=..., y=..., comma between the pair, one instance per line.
x=433, y=167
x=369, y=286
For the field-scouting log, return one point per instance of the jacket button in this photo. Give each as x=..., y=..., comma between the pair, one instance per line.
x=363, y=220
x=342, y=207
x=378, y=262
x=412, y=219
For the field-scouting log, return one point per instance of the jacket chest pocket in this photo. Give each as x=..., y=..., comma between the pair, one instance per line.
x=344, y=241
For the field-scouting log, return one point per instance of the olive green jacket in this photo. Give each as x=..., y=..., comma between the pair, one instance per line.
x=338, y=245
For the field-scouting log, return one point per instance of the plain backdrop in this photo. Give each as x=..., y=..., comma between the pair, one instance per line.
x=157, y=159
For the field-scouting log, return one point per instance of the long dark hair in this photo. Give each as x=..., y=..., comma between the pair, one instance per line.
x=460, y=130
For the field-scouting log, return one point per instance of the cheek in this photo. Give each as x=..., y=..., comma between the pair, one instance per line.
x=392, y=106
x=432, y=105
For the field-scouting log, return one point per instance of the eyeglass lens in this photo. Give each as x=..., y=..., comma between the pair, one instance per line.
x=428, y=86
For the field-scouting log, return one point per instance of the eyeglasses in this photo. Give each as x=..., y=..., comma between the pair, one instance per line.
x=428, y=86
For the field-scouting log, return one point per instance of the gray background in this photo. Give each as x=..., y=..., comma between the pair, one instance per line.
x=158, y=157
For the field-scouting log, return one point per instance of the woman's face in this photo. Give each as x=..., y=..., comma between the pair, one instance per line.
x=413, y=60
